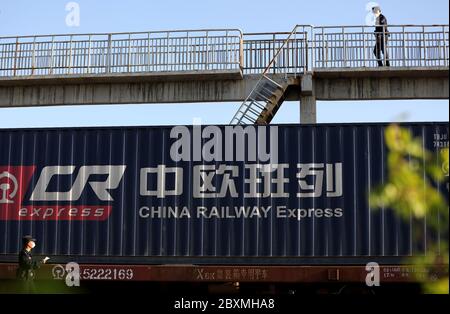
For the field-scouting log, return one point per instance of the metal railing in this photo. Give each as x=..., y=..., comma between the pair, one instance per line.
x=160, y=51
x=353, y=46
x=260, y=48
x=308, y=48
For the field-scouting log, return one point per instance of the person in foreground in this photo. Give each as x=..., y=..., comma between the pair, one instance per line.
x=28, y=265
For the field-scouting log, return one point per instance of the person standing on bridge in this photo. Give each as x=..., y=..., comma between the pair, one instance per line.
x=381, y=37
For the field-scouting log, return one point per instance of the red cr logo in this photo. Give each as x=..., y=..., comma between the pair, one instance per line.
x=8, y=187
x=13, y=183
x=15, y=180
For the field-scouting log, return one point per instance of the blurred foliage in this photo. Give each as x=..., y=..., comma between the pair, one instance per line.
x=411, y=190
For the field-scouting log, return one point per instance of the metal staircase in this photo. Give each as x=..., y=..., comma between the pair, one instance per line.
x=266, y=97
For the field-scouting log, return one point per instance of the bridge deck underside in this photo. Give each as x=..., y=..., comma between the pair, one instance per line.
x=339, y=84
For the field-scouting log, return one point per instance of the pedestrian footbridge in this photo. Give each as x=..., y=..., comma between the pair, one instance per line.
x=261, y=70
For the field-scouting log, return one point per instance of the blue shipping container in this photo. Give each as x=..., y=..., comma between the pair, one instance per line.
x=204, y=195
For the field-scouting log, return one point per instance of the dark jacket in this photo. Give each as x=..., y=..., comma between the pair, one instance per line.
x=27, y=266
x=381, y=24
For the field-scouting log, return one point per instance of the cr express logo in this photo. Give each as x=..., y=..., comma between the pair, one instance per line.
x=56, y=205
x=8, y=187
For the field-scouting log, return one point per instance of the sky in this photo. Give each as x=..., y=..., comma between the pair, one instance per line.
x=31, y=17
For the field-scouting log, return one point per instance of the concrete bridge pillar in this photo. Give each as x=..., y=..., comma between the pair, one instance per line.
x=308, y=110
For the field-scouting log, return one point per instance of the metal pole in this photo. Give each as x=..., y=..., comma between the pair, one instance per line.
x=314, y=54
x=167, y=52
x=15, y=56
x=445, y=45
x=285, y=54
x=207, y=50
x=420, y=52
x=437, y=58
x=33, y=58
x=156, y=57
x=238, y=52
x=424, y=46
x=295, y=49
x=70, y=55
x=51, y=55
x=226, y=50
x=305, y=49
x=129, y=54
x=384, y=44
x=404, y=46
x=148, y=52
x=274, y=51
x=89, y=55
x=108, y=60
x=241, y=52
x=310, y=38
x=188, y=53
x=364, y=46
x=344, y=44
x=324, y=49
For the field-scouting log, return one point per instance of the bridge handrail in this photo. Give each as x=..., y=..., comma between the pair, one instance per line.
x=292, y=33
x=221, y=48
x=407, y=45
x=99, y=53
x=389, y=25
x=128, y=33
x=216, y=29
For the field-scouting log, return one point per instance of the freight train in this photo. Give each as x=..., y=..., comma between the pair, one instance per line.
x=278, y=204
